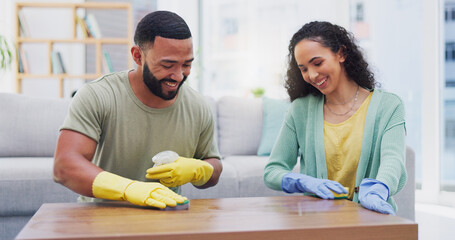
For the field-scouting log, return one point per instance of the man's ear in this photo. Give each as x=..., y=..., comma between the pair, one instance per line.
x=136, y=53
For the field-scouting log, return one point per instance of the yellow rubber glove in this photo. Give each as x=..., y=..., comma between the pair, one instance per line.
x=182, y=171
x=114, y=187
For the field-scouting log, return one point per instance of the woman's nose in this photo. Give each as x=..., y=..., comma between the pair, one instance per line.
x=312, y=74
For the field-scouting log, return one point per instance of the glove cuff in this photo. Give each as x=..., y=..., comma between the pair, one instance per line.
x=369, y=185
x=203, y=174
x=110, y=186
x=289, y=182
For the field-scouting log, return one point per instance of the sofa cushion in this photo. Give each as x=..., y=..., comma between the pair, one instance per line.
x=11, y=226
x=27, y=183
x=274, y=111
x=239, y=125
x=29, y=125
x=228, y=186
x=211, y=101
x=250, y=170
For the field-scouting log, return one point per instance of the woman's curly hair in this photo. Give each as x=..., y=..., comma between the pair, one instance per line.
x=334, y=37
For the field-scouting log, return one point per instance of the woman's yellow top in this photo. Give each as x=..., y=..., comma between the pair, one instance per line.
x=343, y=143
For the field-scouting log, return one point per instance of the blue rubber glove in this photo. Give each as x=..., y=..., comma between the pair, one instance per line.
x=373, y=195
x=297, y=182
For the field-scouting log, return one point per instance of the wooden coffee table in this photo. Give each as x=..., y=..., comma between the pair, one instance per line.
x=276, y=218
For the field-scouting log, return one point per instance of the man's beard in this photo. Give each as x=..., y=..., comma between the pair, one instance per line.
x=154, y=85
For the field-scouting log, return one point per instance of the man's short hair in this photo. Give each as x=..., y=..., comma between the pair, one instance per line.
x=160, y=23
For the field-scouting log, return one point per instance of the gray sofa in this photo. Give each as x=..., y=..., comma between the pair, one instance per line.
x=28, y=134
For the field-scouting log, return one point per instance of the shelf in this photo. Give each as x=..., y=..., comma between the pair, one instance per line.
x=75, y=38
x=102, y=5
x=64, y=75
x=71, y=40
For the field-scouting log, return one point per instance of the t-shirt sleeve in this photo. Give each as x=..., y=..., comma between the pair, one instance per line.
x=84, y=115
x=207, y=146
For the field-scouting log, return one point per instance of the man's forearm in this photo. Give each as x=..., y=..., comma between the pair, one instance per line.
x=72, y=162
x=77, y=178
x=217, y=169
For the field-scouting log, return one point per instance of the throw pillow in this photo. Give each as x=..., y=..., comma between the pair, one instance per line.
x=274, y=111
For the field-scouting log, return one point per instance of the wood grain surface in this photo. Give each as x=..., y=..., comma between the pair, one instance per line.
x=290, y=217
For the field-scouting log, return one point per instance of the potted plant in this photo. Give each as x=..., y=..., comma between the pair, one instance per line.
x=258, y=92
x=6, y=55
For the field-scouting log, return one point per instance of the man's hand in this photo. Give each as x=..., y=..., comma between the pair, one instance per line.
x=182, y=171
x=113, y=187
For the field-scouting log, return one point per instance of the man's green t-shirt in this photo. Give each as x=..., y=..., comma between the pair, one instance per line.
x=129, y=133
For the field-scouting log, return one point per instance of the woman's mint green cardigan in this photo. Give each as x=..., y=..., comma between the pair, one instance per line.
x=383, y=146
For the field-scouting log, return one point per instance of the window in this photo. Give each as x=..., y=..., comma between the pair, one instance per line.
x=359, y=10
x=450, y=51
x=449, y=13
x=448, y=105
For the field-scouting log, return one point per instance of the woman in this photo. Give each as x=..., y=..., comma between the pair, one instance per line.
x=348, y=133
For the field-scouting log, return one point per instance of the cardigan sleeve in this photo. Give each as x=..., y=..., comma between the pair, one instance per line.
x=392, y=170
x=284, y=154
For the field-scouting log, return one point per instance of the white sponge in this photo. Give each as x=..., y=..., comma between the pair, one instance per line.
x=164, y=157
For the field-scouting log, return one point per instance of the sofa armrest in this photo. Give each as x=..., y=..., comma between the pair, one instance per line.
x=239, y=125
x=405, y=199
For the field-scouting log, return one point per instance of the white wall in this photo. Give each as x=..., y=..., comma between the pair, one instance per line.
x=394, y=52
x=245, y=42
x=189, y=11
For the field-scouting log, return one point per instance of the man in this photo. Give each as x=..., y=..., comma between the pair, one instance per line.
x=117, y=123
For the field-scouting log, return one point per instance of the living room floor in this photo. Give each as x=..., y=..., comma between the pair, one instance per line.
x=435, y=222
